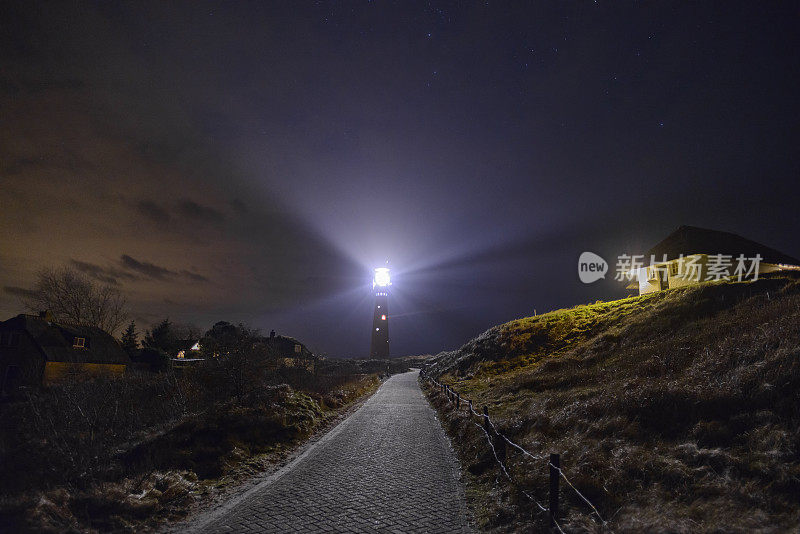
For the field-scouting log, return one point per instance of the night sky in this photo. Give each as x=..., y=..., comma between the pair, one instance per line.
x=253, y=161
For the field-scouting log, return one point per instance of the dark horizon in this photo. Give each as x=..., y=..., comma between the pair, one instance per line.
x=254, y=162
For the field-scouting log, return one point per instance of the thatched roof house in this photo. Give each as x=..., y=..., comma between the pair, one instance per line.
x=34, y=349
x=688, y=240
x=691, y=255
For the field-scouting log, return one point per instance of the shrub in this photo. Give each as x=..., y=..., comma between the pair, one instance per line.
x=67, y=433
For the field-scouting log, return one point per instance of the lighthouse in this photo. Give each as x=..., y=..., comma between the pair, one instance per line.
x=380, y=315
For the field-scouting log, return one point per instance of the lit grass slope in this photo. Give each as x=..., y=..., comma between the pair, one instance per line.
x=677, y=411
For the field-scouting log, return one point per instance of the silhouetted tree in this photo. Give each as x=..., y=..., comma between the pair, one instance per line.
x=160, y=337
x=186, y=331
x=239, y=357
x=73, y=298
x=224, y=337
x=130, y=340
x=155, y=358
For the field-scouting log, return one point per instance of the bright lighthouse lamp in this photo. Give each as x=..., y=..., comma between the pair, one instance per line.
x=381, y=277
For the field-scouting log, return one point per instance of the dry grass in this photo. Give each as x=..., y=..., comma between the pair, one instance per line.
x=673, y=412
x=122, y=455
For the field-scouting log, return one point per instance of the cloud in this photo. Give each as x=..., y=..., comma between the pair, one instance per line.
x=195, y=211
x=109, y=275
x=148, y=269
x=153, y=211
x=95, y=271
x=19, y=165
x=157, y=272
x=193, y=276
x=239, y=206
x=19, y=291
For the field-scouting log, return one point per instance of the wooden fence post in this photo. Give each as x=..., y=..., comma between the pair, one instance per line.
x=555, y=464
x=500, y=446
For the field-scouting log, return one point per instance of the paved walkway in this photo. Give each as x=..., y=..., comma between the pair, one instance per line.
x=386, y=468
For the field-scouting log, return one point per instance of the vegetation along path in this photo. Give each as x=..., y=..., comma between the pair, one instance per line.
x=386, y=468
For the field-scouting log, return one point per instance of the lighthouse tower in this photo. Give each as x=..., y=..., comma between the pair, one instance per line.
x=380, y=315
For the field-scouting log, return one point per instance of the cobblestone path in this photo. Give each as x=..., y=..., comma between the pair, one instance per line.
x=386, y=468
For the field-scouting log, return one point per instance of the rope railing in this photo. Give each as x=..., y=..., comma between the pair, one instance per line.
x=541, y=507
x=553, y=462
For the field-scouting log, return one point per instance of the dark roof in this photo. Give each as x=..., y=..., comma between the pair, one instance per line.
x=56, y=341
x=286, y=344
x=688, y=240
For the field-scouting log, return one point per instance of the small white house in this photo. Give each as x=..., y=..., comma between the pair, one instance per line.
x=692, y=255
x=188, y=349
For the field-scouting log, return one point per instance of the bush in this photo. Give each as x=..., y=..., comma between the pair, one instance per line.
x=151, y=359
x=69, y=432
x=72, y=455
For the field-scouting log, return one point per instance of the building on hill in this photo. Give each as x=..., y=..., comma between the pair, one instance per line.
x=35, y=350
x=692, y=255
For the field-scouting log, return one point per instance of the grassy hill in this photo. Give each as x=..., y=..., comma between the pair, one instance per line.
x=677, y=411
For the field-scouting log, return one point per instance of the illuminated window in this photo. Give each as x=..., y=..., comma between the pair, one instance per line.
x=673, y=268
x=377, y=329
x=80, y=342
x=383, y=317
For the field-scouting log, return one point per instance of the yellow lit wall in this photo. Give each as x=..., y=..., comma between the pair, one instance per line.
x=55, y=371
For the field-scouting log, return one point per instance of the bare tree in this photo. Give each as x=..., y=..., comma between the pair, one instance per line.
x=238, y=358
x=73, y=298
x=186, y=331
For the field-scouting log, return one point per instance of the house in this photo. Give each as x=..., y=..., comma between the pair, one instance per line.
x=691, y=255
x=186, y=354
x=291, y=353
x=35, y=350
x=187, y=349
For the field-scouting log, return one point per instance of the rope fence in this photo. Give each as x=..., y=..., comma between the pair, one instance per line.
x=497, y=443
